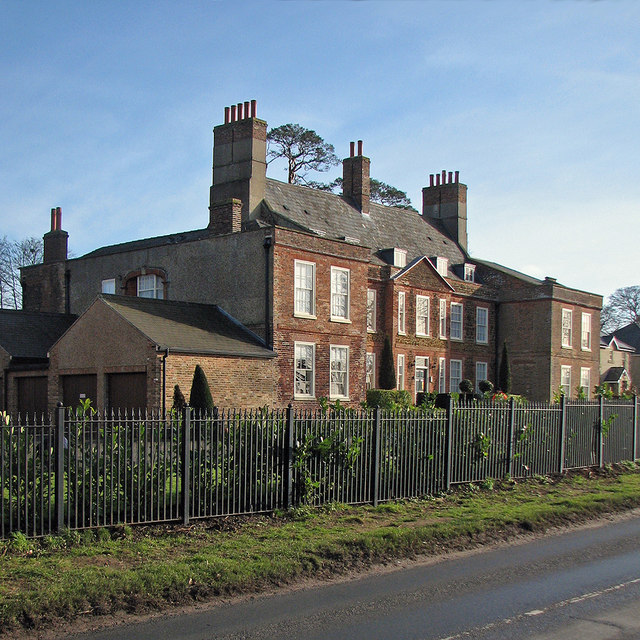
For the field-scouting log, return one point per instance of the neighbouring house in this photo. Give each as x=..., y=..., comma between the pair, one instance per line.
x=25, y=340
x=128, y=352
x=620, y=358
x=323, y=278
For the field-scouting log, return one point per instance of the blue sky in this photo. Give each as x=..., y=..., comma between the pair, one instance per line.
x=108, y=110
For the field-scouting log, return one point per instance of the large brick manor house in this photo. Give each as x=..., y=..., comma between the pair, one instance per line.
x=286, y=295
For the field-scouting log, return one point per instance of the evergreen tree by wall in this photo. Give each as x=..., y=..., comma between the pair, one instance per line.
x=387, y=379
x=200, y=396
x=504, y=375
x=179, y=401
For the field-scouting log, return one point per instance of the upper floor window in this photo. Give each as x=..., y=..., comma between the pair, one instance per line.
x=482, y=325
x=469, y=272
x=402, y=311
x=399, y=258
x=371, y=310
x=456, y=321
x=150, y=286
x=340, y=293
x=567, y=322
x=442, y=324
x=304, y=369
x=109, y=286
x=585, y=340
x=422, y=316
x=339, y=368
x=305, y=288
x=442, y=266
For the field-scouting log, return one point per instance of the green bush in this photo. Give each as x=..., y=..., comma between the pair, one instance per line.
x=387, y=376
x=390, y=399
x=466, y=386
x=200, y=396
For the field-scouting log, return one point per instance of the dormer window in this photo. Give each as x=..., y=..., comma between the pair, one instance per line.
x=399, y=258
x=469, y=272
x=150, y=286
x=442, y=266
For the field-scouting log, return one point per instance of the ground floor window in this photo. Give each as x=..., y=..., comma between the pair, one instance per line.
x=304, y=369
x=481, y=373
x=371, y=370
x=339, y=367
x=455, y=368
x=565, y=380
x=400, y=372
x=422, y=375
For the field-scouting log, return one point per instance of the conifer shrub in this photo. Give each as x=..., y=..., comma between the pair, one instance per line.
x=387, y=378
x=200, y=396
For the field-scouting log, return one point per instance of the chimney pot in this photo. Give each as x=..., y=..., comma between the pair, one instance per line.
x=226, y=115
x=450, y=177
x=53, y=219
x=246, y=109
x=431, y=179
x=437, y=179
x=359, y=147
x=233, y=113
x=58, y=218
x=457, y=177
x=352, y=149
x=444, y=177
x=239, y=110
x=253, y=109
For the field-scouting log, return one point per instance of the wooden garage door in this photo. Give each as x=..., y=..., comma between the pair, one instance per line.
x=32, y=394
x=127, y=390
x=76, y=388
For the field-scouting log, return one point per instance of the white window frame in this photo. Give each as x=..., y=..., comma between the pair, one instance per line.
x=469, y=272
x=442, y=321
x=585, y=335
x=402, y=313
x=156, y=289
x=400, y=371
x=458, y=334
x=422, y=364
x=423, y=321
x=371, y=310
x=298, y=309
x=442, y=375
x=370, y=371
x=334, y=349
x=442, y=266
x=566, y=328
x=585, y=377
x=312, y=369
x=480, y=368
x=339, y=295
x=565, y=379
x=480, y=311
x=108, y=286
x=399, y=258
x=455, y=367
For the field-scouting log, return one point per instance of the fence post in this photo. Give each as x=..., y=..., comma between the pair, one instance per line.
x=447, y=444
x=375, y=463
x=59, y=456
x=636, y=453
x=563, y=433
x=512, y=418
x=186, y=463
x=600, y=435
x=289, y=457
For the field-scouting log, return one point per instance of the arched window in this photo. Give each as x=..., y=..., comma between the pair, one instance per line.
x=146, y=283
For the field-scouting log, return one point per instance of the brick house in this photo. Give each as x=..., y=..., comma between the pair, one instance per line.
x=323, y=278
x=620, y=358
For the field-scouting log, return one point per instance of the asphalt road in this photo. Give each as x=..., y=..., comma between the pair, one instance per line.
x=583, y=584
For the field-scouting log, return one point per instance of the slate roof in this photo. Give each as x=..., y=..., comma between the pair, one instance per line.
x=605, y=341
x=613, y=374
x=332, y=216
x=629, y=334
x=188, y=327
x=26, y=335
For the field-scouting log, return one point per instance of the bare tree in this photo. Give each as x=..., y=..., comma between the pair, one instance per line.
x=622, y=308
x=303, y=149
x=13, y=255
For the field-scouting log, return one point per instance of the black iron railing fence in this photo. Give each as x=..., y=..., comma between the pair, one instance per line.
x=85, y=468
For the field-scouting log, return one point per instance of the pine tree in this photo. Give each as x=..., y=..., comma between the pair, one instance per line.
x=179, y=401
x=504, y=375
x=387, y=366
x=200, y=396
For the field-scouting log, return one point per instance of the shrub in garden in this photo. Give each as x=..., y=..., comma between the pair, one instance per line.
x=179, y=402
x=387, y=366
x=485, y=386
x=390, y=399
x=200, y=396
x=504, y=375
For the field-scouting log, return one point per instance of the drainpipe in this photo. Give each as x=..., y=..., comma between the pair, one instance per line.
x=67, y=291
x=164, y=381
x=268, y=242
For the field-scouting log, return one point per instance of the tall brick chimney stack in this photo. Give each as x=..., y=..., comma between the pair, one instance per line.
x=445, y=201
x=56, y=241
x=239, y=166
x=356, y=183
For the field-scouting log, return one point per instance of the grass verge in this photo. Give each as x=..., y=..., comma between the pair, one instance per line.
x=135, y=570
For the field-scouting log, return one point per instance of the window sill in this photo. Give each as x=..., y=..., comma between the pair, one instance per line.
x=567, y=346
x=483, y=342
x=304, y=315
x=423, y=335
x=586, y=350
x=340, y=320
x=296, y=397
x=402, y=333
x=456, y=339
x=371, y=331
x=341, y=398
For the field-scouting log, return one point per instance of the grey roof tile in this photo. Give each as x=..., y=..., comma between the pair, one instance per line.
x=25, y=334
